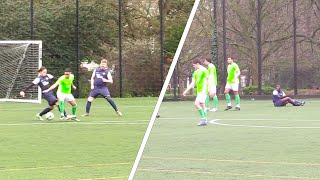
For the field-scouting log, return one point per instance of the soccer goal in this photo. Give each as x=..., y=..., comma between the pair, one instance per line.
x=19, y=62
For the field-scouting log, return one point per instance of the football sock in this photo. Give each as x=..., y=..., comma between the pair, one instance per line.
x=201, y=113
x=207, y=101
x=112, y=104
x=74, y=109
x=205, y=112
x=215, y=101
x=228, y=99
x=61, y=106
x=45, y=111
x=237, y=97
x=64, y=112
x=88, y=106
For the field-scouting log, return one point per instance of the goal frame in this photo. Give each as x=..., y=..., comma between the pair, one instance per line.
x=39, y=42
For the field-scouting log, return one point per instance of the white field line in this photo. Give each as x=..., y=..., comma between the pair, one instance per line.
x=97, y=107
x=60, y=167
x=164, y=88
x=215, y=121
x=73, y=123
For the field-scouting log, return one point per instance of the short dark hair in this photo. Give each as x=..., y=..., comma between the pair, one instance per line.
x=41, y=69
x=197, y=61
x=67, y=70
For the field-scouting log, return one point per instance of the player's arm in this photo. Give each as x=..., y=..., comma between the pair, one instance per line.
x=22, y=93
x=283, y=95
x=54, y=85
x=74, y=87
x=92, y=79
x=190, y=86
x=51, y=87
x=109, y=80
x=237, y=72
x=36, y=81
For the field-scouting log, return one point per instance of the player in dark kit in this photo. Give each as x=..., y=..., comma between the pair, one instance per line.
x=99, y=79
x=43, y=81
x=279, y=98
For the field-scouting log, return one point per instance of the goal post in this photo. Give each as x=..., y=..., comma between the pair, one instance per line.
x=19, y=62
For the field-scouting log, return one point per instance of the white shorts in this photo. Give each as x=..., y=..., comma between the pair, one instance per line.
x=233, y=86
x=201, y=97
x=67, y=97
x=213, y=90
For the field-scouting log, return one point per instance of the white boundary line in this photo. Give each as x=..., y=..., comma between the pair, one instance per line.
x=164, y=88
x=62, y=166
x=74, y=123
x=97, y=107
x=215, y=121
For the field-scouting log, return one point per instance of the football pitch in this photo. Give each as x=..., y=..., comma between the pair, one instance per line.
x=101, y=146
x=258, y=142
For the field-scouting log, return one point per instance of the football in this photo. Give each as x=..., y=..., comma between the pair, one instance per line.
x=49, y=116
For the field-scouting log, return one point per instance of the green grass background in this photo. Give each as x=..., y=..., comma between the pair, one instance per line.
x=101, y=146
x=286, y=145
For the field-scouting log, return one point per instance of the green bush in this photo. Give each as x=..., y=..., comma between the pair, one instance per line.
x=253, y=90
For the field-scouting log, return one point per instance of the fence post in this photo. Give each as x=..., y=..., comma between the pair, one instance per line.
x=120, y=43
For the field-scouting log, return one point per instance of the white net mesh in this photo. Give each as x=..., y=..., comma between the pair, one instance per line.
x=19, y=62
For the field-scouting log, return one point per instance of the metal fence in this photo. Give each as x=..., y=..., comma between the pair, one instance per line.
x=76, y=31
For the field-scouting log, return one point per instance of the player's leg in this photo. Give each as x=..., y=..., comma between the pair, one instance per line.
x=235, y=88
x=213, y=95
x=281, y=102
x=54, y=101
x=93, y=94
x=294, y=102
x=72, y=101
x=51, y=100
x=200, y=106
x=88, y=105
x=61, y=98
x=227, y=95
x=106, y=94
x=207, y=102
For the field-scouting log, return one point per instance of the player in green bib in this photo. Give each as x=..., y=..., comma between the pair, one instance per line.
x=212, y=85
x=199, y=79
x=233, y=84
x=65, y=83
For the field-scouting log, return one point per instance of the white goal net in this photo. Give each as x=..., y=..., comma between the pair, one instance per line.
x=19, y=62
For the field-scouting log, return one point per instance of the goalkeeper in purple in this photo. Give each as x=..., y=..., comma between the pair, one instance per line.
x=99, y=79
x=43, y=81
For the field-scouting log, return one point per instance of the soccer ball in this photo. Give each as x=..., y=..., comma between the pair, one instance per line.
x=49, y=116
